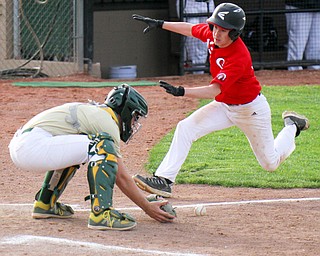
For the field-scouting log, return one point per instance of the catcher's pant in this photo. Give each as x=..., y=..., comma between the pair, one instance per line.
x=303, y=37
x=254, y=119
x=38, y=150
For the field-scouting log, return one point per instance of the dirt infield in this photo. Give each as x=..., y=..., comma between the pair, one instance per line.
x=239, y=221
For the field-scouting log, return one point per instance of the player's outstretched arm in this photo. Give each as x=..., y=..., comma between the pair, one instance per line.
x=151, y=23
x=182, y=28
x=201, y=92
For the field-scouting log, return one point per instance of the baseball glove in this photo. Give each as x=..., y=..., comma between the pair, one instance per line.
x=167, y=207
x=152, y=23
x=175, y=91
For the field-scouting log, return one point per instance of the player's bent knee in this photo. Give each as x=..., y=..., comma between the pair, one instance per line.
x=185, y=123
x=184, y=129
x=269, y=167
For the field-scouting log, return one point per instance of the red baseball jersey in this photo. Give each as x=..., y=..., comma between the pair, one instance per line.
x=231, y=67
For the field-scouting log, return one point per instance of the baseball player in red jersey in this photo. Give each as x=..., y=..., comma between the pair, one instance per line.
x=237, y=99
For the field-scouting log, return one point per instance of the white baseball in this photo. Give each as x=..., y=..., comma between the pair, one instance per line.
x=200, y=210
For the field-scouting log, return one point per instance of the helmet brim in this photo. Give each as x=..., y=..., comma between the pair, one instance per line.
x=220, y=24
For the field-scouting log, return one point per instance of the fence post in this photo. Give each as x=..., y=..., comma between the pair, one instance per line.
x=79, y=34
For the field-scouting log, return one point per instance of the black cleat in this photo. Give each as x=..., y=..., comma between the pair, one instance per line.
x=154, y=185
x=291, y=117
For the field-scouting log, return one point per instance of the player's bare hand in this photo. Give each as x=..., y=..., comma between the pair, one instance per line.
x=175, y=91
x=154, y=211
x=152, y=23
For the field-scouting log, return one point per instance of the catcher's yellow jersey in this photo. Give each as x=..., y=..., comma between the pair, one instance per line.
x=78, y=118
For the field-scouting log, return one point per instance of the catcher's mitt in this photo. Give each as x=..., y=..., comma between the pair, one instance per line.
x=167, y=207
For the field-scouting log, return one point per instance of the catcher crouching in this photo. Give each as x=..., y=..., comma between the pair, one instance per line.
x=58, y=140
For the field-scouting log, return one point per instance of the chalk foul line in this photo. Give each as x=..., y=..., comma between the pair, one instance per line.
x=79, y=208
x=29, y=239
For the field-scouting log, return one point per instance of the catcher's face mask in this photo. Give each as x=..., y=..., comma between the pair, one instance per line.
x=135, y=125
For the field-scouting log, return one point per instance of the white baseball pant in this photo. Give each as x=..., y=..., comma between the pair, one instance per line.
x=254, y=119
x=40, y=151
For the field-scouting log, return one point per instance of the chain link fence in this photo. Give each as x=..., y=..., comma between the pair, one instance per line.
x=265, y=34
x=40, y=38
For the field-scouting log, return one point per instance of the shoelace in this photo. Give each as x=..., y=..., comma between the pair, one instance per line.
x=114, y=213
x=157, y=180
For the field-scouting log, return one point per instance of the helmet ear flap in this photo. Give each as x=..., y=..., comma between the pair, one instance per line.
x=117, y=97
x=234, y=34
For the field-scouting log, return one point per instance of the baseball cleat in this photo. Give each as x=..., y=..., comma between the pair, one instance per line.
x=111, y=219
x=291, y=117
x=154, y=185
x=45, y=211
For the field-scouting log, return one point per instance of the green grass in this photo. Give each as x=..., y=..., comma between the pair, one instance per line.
x=224, y=158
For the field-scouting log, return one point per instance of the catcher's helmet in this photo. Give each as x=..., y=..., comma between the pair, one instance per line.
x=229, y=16
x=128, y=104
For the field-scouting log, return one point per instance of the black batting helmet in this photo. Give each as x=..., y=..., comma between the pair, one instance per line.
x=229, y=16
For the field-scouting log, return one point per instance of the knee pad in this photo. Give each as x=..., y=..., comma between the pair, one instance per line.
x=101, y=144
x=55, y=183
x=102, y=170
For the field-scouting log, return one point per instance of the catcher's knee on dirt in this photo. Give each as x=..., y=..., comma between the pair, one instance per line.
x=54, y=184
x=102, y=170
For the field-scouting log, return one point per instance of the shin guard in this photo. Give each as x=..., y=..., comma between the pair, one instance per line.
x=54, y=184
x=102, y=170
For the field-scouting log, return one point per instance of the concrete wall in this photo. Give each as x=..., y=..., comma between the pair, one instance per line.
x=119, y=41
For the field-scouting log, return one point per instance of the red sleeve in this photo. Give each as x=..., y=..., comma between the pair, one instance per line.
x=235, y=74
x=231, y=67
x=201, y=31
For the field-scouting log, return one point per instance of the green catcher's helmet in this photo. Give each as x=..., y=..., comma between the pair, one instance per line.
x=229, y=16
x=128, y=104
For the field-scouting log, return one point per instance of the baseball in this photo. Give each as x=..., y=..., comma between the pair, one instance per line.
x=200, y=210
